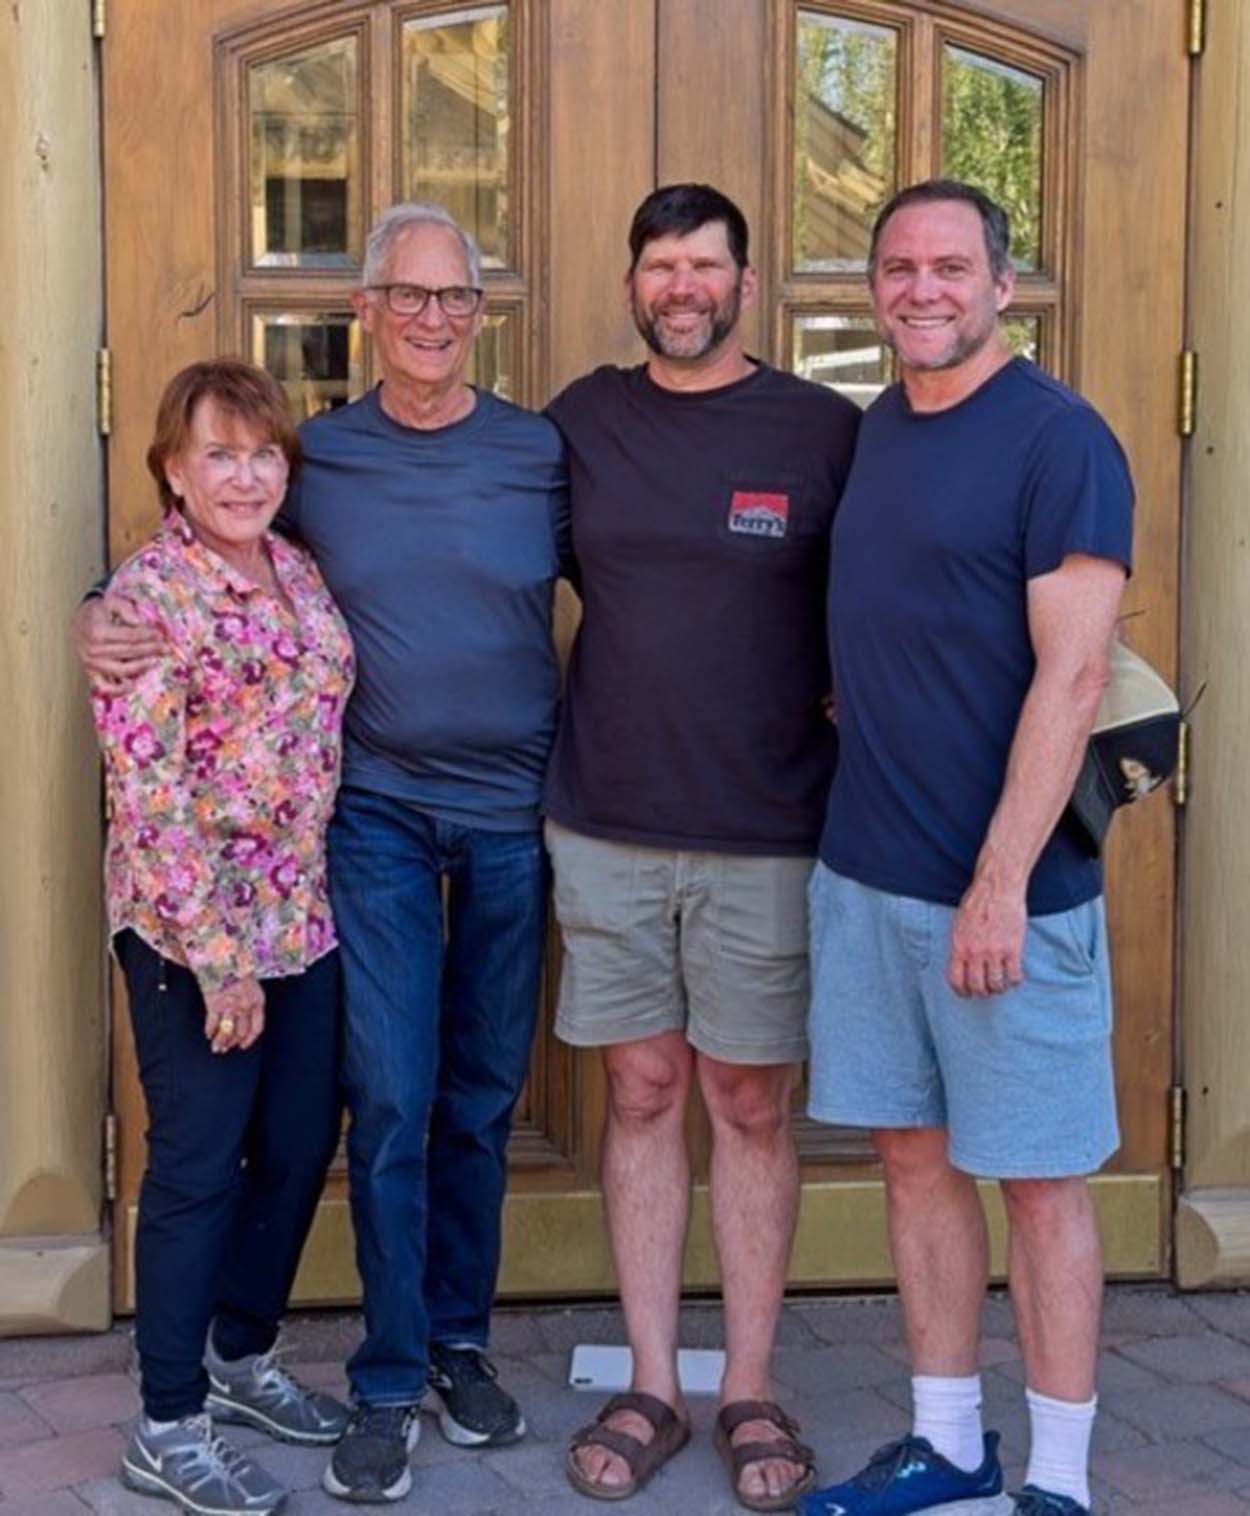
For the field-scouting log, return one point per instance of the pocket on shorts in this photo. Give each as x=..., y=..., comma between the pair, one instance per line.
x=1085, y=926
x=824, y=906
x=1065, y=944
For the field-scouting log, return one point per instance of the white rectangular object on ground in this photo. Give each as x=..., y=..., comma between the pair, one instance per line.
x=595, y=1366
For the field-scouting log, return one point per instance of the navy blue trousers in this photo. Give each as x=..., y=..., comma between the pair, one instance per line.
x=238, y=1146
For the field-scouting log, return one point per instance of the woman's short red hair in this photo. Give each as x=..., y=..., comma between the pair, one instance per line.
x=246, y=392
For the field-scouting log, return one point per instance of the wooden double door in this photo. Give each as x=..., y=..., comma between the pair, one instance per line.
x=249, y=143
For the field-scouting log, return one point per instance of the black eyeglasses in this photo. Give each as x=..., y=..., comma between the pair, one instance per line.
x=455, y=300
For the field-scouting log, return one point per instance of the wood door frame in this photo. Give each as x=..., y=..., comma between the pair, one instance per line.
x=606, y=86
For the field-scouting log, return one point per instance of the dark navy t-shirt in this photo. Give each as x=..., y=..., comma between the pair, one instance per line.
x=442, y=550
x=694, y=712
x=945, y=518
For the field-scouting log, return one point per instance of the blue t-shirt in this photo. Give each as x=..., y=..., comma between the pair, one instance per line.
x=442, y=550
x=945, y=518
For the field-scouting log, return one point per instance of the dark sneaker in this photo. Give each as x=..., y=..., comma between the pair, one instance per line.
x=261, y=1392
x=473, y=1410
x=370, y=1464
x=908, y=1476
x=191, y=1465
x=1031, y=1501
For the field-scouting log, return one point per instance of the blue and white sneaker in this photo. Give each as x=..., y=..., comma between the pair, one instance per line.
x=1030, y=1501
x=909, y=1476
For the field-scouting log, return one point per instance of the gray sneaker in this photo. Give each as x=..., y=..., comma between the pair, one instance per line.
x=190, y=1464
x=261, y=1391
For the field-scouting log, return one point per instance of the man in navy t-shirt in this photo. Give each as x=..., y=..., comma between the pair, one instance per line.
x=961, y=997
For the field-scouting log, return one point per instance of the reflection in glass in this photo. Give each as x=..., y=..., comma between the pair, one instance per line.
x=1024, y=336
x=305, y=158
x=315, y=356
x=456, y=121
x=992, y=137
x=844, y=137
x=843, y=352
x=493, y=365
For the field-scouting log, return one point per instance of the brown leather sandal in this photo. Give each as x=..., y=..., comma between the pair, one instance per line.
x=736, y=1458
x=669, y=1435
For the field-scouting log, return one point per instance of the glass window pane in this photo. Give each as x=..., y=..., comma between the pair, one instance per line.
x=845, y=156
x=305, y=159
x=493, y=365
x=992, y=137
x=843, y=352
x=456, y=121
x=1024, y=336
x=315, y=355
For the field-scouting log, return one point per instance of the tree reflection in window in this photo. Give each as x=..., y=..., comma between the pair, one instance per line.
x=844, y=138
x=1024, y=336
x=992, y=137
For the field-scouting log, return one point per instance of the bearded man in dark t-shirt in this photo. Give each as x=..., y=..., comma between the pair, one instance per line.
x=684, y=802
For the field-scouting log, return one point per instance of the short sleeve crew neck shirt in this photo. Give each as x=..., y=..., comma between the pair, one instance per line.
x=694, y=709
x=442, y=549
x=946, y=517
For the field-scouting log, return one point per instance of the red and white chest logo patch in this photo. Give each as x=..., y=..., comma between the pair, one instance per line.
x=758, y=514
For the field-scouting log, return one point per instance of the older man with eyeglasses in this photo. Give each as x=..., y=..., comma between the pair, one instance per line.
x=434, y=510
x=436, y=513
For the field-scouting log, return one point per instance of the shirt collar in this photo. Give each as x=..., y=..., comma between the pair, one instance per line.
x=212, y=567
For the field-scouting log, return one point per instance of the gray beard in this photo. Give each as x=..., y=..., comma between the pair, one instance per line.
x=723, y=321
x=966, y=348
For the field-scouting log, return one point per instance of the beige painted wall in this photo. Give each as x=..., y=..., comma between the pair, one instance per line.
x=1214, y=1228
x=52, y=1026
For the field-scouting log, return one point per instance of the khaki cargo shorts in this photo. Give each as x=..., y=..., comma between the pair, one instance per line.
x=711, y=944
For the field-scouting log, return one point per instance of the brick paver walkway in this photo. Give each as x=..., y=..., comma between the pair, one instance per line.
x=1173, y=1437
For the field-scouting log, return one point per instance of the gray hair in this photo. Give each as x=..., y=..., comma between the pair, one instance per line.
x=394, y=222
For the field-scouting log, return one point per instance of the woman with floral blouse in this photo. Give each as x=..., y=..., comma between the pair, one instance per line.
x=222, y=763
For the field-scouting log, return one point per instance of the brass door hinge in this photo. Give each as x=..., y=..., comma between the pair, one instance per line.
x=1180, y=780
x=1187, y=394
x=99, y=19
x=1176, y=1127
x=110, y=1157
x=1196, y=28
x=104, y=391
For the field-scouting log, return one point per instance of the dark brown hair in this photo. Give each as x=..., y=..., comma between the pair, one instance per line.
x=245, y=392
x=994, y=221
x=678, y=210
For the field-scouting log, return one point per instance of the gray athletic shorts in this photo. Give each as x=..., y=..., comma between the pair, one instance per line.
x=1022, y=1081
x=710, y=944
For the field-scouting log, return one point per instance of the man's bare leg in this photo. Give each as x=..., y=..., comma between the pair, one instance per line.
x=940, y=1247
x=1054, y=1262
x=755, y=1196
x=646, y=1195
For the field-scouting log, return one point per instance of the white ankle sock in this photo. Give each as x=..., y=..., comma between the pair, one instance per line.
x=1059, y=1448
x=154, y=1428
x=948, y=1413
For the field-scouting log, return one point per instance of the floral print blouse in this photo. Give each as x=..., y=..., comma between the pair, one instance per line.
x=222, y=762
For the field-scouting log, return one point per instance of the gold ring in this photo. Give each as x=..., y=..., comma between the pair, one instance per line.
x=226, y=1024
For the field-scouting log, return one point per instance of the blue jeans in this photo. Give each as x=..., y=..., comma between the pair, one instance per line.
x=440, y=1011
